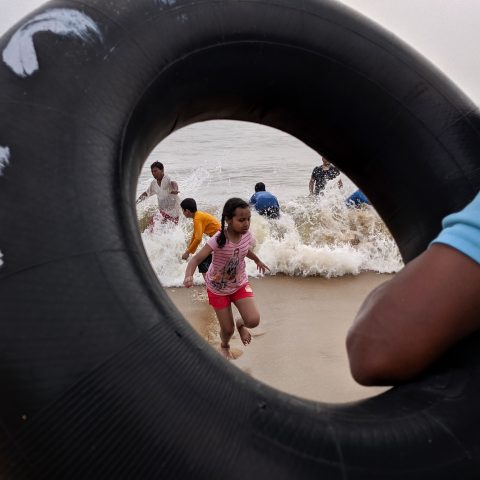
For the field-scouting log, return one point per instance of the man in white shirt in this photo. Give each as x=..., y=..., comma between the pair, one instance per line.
x=167, y=194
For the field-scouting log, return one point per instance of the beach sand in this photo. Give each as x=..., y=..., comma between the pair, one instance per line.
x=299, y=346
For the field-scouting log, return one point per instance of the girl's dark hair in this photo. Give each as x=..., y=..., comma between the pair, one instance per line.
x=228, y=212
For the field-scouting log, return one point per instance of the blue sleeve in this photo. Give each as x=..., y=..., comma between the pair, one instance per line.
x=253, y=199
x=461, y=230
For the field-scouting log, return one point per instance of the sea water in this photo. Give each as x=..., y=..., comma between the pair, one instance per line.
x=216, y=160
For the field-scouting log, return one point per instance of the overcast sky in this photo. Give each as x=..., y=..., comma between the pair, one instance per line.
x=445, y=31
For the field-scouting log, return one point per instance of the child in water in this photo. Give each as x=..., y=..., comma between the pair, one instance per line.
x=226, y=278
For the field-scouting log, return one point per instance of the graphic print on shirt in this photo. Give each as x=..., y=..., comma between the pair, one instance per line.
x=228, y=273
x=321, y=176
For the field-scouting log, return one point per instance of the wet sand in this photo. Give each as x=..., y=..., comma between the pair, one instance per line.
x=299, y=347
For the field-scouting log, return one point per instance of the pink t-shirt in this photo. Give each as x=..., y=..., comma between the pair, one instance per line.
x=226, y=273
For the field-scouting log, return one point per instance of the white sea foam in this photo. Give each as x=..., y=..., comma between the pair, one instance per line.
x=213, y=161
x=310, y=239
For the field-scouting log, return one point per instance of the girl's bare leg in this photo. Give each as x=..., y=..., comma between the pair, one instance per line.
x=250, y=318
x=227, y=327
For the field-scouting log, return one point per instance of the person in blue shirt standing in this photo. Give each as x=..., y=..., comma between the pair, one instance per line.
x=264, y=202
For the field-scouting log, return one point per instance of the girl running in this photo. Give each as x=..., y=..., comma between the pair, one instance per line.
x=226, y=278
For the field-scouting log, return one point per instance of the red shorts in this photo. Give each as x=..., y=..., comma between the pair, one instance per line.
x=161, y=217
x=168, y=218
x=219, y=302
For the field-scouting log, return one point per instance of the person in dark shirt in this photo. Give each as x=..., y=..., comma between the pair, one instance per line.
x=264, y=202
x=321, y=175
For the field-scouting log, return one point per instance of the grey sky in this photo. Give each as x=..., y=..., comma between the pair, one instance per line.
x=444, y=31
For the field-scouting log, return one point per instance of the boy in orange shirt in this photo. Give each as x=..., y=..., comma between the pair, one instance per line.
x=203, y=223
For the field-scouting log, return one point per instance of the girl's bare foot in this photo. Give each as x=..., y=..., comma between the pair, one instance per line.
x=225, y=351
x=244, y=333
x=230, y=353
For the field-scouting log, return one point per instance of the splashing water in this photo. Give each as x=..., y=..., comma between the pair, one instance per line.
x=319, y=236
x=213, y=161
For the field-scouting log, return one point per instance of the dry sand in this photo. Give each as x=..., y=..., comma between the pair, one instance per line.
x=299, y=347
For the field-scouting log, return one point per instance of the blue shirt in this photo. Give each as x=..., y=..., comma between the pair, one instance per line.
x=461, y=230
x=357, y=198
x=264, y=200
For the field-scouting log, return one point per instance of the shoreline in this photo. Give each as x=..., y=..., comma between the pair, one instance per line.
x=299, y=346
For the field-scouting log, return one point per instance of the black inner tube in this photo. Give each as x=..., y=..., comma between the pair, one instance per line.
x=101, y=377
